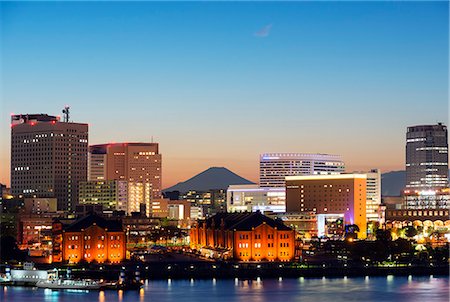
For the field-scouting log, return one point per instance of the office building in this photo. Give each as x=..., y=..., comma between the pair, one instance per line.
x=427, y=200
x=132, y=162
x=211, y=201
x=426, y=157
x=373, y=194
x=39, y=205
x=274, y=167
x=252, y=198
x=139, y=197
x=96, y=165
x=329, y=197
x=111, y=194
x=48, y=158
x=171, y=209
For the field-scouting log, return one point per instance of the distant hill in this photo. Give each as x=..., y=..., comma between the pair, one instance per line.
x=212, y=178
x=392, y=183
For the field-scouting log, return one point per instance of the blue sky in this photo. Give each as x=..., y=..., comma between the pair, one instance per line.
x=218, y=83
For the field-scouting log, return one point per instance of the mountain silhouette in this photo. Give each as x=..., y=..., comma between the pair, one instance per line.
x=210, y=179
x=392, y=183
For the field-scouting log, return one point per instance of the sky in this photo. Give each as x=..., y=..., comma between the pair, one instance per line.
x=218, y=83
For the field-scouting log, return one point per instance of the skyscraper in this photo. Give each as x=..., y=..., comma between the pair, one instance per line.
x=132, y=162
x=48, y=158
x=373, y=194
x=274, y=167
x=426, y=157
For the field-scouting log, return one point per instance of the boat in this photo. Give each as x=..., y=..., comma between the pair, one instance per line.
x=84, y=284
x=55, y=281
x=28, y=276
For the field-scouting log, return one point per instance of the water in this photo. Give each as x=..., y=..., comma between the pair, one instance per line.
x=388, y=288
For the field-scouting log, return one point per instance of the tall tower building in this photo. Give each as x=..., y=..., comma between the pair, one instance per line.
x=426, y=157
x=48, y=158
x=132, y=162
x=274, y=167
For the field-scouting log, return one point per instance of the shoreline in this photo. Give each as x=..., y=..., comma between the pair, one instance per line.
x=208, y=270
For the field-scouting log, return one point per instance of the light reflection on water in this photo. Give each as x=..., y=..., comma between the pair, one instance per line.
x=389, y=288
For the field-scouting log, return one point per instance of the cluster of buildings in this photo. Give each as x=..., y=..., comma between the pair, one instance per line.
x=314, y=195
x=74, y=202
x=300, y=188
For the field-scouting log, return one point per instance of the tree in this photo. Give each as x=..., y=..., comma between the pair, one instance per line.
x=383, y=235
x=410, y=231
x=351, y=231
x=9, y=249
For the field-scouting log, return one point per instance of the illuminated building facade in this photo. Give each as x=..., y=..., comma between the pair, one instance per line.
x=210, y=202
x=48, y=158
x=426, y=157
x=244, y=237
x=329, y=195
x=304, y=224
x=39, y=205
x=132, y=162
x=34, y=229
x=373, y=195
x=93, y=238
x=96, y=165
x=111, y=194
x=171, y=209
x=431, y=199
x=139, y=197
x=252, y=198
x=274, y=167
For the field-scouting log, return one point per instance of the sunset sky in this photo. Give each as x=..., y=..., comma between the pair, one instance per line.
x=218, y=83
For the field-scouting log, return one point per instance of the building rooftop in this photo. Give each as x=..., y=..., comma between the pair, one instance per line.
x=94, y=219
x=326, y=176
x=39, y=117
x=244, y=221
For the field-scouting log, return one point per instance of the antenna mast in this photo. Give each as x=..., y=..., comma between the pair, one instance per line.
x=66, y=113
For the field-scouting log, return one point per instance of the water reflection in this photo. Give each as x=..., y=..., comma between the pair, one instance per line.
x=141, y=295
x=120, y=295
x=101, y=296
x=401, y=288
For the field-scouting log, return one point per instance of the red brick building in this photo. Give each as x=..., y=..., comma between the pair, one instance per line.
x=244, y=237
x=93, y=238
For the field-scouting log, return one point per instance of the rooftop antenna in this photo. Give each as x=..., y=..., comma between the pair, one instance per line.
x=66, y=113
x=152, y=139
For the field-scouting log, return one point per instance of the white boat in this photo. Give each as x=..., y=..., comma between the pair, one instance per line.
x=56, y=282
x=29, y=275
x=84, y=284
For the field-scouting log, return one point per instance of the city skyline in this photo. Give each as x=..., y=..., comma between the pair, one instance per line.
x=292, y=77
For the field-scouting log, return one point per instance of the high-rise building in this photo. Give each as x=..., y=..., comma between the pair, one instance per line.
x=274, y=167
x=48, y=158
x=329, y=196
x=426, y=157
x=96, y=165
x=139, y=197
x=373, y=194
x=252, y=198
x=132, y=162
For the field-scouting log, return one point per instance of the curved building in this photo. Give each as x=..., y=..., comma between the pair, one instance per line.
x=426, y=157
